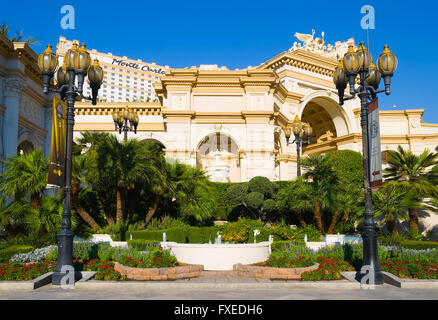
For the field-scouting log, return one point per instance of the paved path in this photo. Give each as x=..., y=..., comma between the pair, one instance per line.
x=385, y=292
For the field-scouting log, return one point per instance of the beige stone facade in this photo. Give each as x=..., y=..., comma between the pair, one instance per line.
x=205, y=114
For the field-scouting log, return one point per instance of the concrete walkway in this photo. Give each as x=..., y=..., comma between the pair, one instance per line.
x=231, y=289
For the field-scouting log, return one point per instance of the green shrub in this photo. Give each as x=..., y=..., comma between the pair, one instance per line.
x=283, y=232
x=173, y=234
x=166, y=222
x=240, y=231
x=280, y=245
x=419, y=245
x=388, y=239
x=7, y=253
x=261, y=185
x=142, y=244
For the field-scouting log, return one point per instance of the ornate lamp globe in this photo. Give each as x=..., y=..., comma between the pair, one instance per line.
x=287, y=133
x=62, y=75
x=136, y=119
x=374, y=76
x=115, y=115
x=340, y=78
x=70, y=56
x=82, y=60
x=47, y=61
x=120, y=117
x=95, y=74
x=387, y=61
x=364, y=56
x=308, y=129
x=351, y=60
x=297, y=126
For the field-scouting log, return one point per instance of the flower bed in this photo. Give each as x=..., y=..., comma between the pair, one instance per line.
x=411, y=270
x=16, y=271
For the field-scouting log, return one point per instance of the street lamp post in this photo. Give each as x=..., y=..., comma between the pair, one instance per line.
x=360, y=63
x=299, y=129
x=124, y=117
x=77, y=63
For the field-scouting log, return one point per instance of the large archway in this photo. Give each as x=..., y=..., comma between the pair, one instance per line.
x=327, y=119
x=219, y=147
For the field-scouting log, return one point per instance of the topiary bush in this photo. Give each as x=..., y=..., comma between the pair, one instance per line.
x=7, y=253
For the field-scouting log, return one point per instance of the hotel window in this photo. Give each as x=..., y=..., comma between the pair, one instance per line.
x=113, y=69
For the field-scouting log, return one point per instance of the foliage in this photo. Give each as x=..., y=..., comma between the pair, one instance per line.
x=410, y=270
x=256, y=196
x=166, y=222
x=419, y=245
x=142, y=244
x=240, y=231
x=292, y=256
x=329, y=269
x=348, y=166
x=32, y=256
x=389, y=239
x=154, y=258
x=7, y=253
x=17, y=271
x=412, y=172
x=283, y=232
x=105, y=270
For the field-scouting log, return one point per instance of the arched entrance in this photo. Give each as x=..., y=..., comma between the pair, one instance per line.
x=327, y=119
x=157, y=142
x=24, y=147
x=218, y=149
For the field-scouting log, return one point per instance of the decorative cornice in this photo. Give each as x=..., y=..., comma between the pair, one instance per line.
x=303, y=60
x=32, y=126
x=109, y=126
x=107, y=108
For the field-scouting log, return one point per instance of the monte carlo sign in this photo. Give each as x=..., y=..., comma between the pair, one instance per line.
x=137, y=66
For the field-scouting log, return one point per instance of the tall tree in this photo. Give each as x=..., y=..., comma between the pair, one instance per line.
x=414, y=175
x=129, y=162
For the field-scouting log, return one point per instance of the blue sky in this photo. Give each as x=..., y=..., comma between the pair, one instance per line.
x=237, y=34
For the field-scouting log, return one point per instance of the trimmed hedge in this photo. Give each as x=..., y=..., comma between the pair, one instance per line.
x=142, y=244
x=180, y=235
x=419, y=245
x=7, y=253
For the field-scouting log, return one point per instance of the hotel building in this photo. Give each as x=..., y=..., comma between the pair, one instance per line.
x=124, y=79
x=229, y=122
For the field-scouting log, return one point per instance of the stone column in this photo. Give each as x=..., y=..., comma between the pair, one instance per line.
x=12, y=88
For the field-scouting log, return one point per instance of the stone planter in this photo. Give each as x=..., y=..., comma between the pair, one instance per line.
x=163, y=274
x=271, y=273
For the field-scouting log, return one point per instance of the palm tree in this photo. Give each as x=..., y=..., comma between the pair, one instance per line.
x=294, y=197
x=101, y=181
x=320, y=168
x=19, y=35
x=80, y=165
x=344, y=201
x=129, y=162
x=391, y=202
x=25, y=174
x=414, y=176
